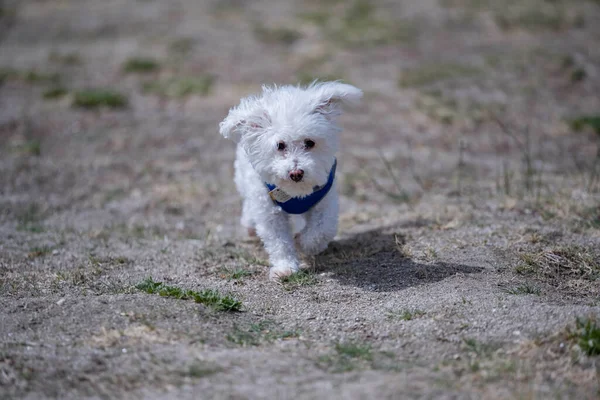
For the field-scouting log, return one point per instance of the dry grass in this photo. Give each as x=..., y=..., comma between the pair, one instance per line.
x=567, y=261
x=557, y=356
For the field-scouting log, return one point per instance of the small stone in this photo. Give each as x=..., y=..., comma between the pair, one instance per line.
x=60, y=302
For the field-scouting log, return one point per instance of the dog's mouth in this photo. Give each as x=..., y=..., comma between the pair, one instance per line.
x=299, y=188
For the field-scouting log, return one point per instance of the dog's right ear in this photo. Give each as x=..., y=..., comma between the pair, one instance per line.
x=246, y=118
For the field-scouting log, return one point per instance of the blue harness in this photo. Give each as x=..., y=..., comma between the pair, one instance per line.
x=300, y=205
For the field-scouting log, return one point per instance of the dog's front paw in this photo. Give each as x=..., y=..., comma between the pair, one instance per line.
x=281, y=270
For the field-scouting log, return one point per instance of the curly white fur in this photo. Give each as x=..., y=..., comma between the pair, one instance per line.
x=288, y=116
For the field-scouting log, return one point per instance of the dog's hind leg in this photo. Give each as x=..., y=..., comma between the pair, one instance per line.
x=246, y=220
x=321, y=226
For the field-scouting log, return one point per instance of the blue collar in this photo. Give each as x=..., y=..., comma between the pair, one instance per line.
x=300, y=205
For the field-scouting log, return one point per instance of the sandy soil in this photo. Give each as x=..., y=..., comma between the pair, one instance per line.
x=470, y=219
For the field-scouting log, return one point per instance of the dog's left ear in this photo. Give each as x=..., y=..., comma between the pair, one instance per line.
x=330, y=96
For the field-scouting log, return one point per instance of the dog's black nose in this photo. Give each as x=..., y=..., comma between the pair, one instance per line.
x=296, y=175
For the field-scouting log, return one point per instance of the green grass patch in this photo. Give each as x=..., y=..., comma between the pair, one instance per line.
x=354, y=350
x=200, y=369
x=30, y=76
x=255, y=334
x=70, y=58
x=406, y=315
x=360, y=26
x=587, y=335
x=236, y=274
x=28, y=219
x=208, y=297
x=31, y=147
x=590, y=217
x=352, y=355
x=96, y=98
x=429, y=74
x=278, y=35
x=317, y=17
x=178, y=87
x=479, y=348
x=300, y=278
x=55, y=93
x=181, y=47
x=525, y=288
x=141, y=65
x=540, y=18
x=532, y=15
x=588, y=121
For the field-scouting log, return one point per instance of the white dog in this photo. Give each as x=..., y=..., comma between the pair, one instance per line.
x=285, y=165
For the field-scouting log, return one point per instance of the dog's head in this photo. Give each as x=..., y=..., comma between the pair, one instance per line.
x=290, y=133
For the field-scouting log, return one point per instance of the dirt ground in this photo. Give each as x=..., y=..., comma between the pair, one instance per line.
x=467, y=260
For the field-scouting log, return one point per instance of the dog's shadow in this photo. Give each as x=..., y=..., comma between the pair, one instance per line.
x=373, y=261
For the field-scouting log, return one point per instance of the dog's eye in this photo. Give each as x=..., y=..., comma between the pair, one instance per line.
x=281, y=146
x=309, y=144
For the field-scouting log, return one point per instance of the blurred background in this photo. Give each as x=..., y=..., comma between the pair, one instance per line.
x=109, y=110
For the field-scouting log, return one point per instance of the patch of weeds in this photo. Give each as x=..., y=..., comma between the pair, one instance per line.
x=236, y=274
x=208, y=297
x=181, y=46
x=230, y=253
x=178, y=87
x=40, y=77
x=587, y=121
x=36, y=252
x=354, y=350
x=430, y=253
x=114, y=194
x=561, y=262
x=300, y=278
x=428, y=74
x=30, y=76
x=317, y=17
x=478, y=348
x=7, y=74
x=141, y=65
x=552, y=16
x=28, y=219
x=590, y=218
x=255, y=334
x=55, y=93
x=348, y=356
x=7, y=12
x=525, y=288
x=360, y=27
x=200, y=370
x=446, y=109
x=406, y=315
x=578, y=75
x=32, y=147
x=278, y=35
x=95, y=98
x=587, y=335
x=71, y=58
x=534, y=15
